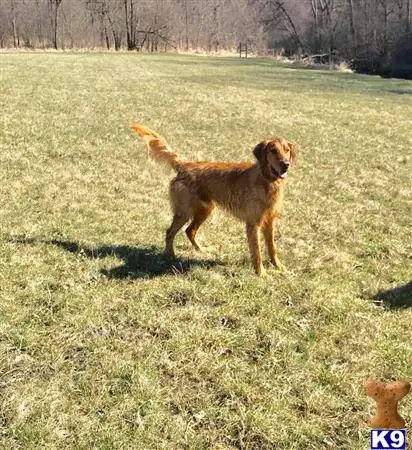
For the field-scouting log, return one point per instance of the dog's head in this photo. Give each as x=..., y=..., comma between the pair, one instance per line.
x=274, y=157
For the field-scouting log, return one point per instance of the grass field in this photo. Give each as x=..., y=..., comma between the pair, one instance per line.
x=104, y=345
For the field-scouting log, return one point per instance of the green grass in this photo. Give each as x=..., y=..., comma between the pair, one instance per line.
x=104, y=345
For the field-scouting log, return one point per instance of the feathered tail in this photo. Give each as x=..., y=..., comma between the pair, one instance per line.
x=157, y=146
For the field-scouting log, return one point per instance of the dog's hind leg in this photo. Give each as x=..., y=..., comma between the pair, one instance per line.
x=177, y=224
x=181, y=201
x=202, y=212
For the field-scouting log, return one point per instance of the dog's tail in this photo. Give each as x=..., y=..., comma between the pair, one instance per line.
x=157, y=147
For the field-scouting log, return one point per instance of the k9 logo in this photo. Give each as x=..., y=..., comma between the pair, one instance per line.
x=388, y=439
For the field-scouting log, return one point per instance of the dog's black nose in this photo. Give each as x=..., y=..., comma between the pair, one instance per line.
x=286, y=165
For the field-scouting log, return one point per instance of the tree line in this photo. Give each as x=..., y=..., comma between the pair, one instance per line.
x=376, y=35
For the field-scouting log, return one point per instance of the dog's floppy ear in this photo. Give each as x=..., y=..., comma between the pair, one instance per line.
x=259, y=151
x=292, y=149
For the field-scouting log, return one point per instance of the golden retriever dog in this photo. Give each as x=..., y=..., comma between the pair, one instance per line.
x=250, y=191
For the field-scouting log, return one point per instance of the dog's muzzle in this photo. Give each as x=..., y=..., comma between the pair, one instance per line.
x=284, y=169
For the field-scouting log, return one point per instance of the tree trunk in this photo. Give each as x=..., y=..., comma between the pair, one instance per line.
x=133, y=30
x=155, y=33
x=186, y=27
x=55, y=17
x=385, y=44
x=132, y=27
x=352, y=27
x=13, y=21
x=216, y=30
x=55, y=26
x=116, y=37
x=331, y=38
x=106, y=36
x=315, y=12
x=128, y=38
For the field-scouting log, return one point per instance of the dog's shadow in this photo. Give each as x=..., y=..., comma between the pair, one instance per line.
x=138, y=262
x=399, y=297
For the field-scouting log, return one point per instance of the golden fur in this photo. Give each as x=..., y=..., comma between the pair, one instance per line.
x=252, y=192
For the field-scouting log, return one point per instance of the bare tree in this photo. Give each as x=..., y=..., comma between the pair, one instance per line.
x=130, y=22
x=186, y=13
x=277, y=15
x=13, y=21
x=54, y=10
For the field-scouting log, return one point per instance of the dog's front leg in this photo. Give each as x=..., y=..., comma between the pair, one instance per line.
x=268, y=232
x=252, y=231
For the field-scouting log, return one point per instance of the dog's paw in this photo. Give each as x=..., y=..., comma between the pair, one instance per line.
x=281, y=267
x=278, y=265
x=170, y=256
x=261, y=272
x=205, y=249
